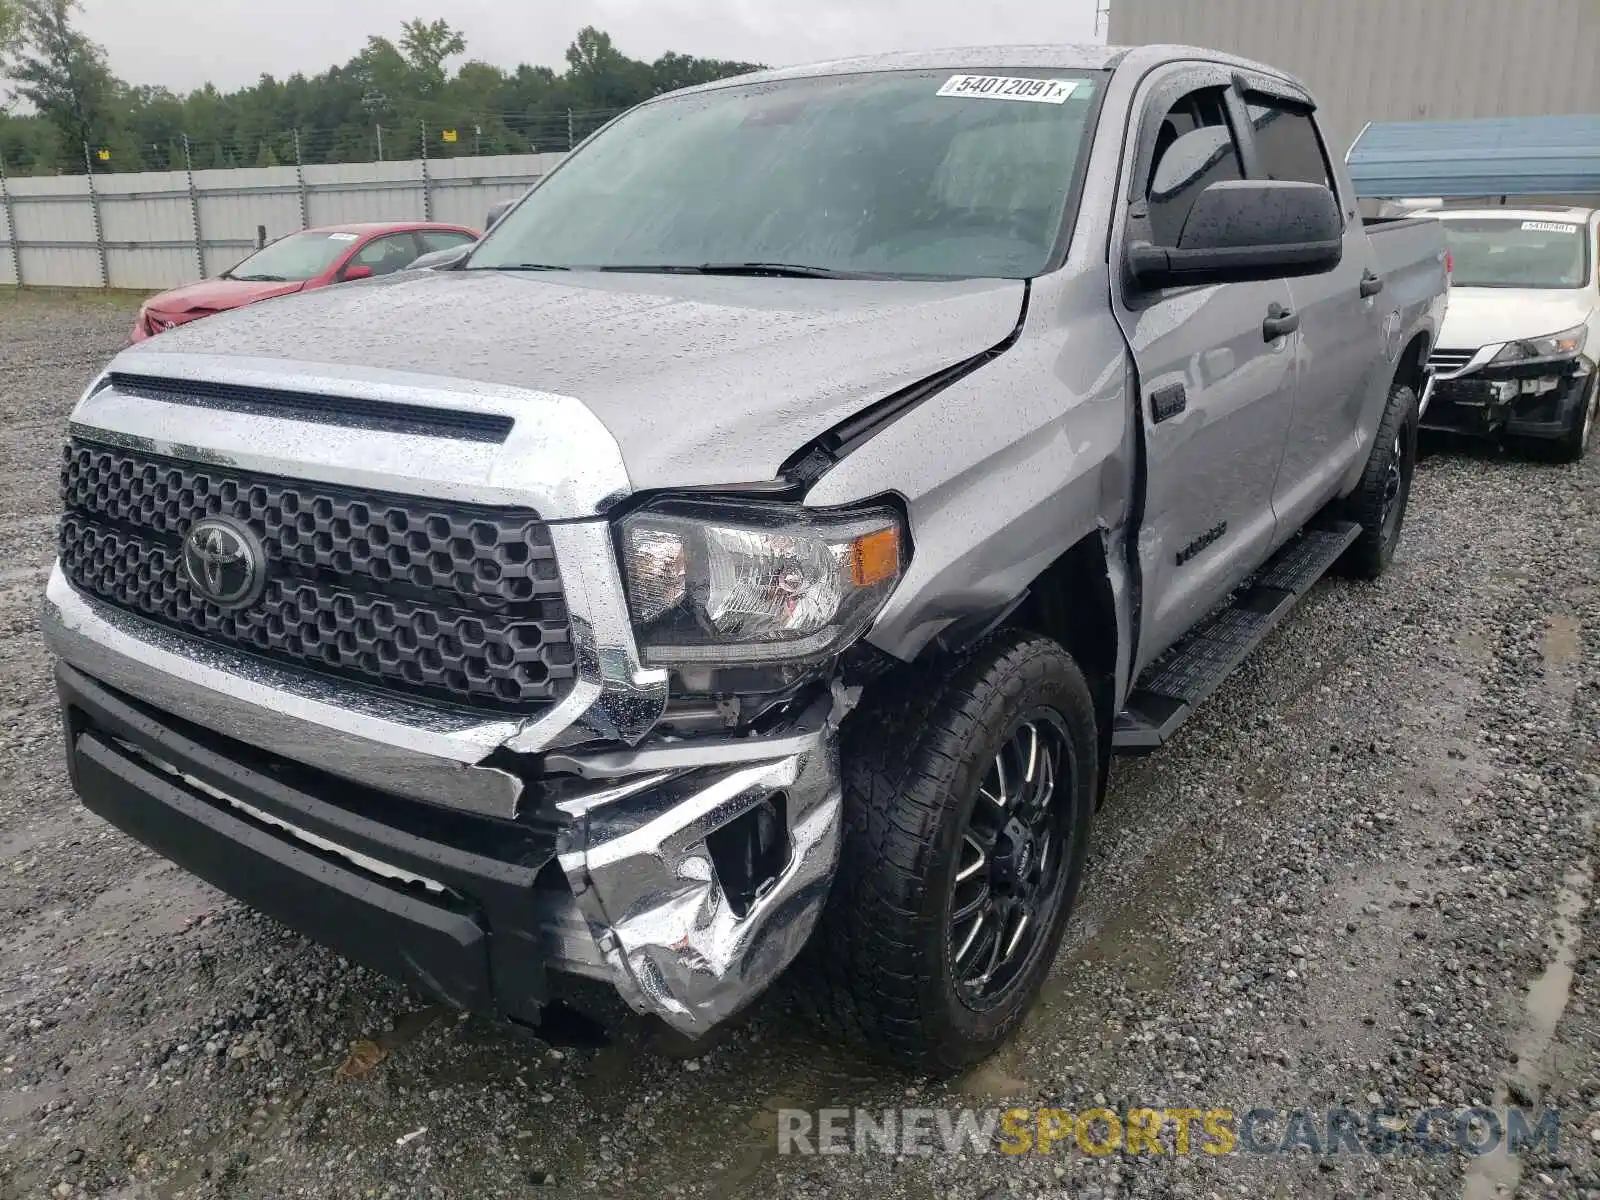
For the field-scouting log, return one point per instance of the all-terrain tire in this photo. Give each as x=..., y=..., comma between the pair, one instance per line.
x=1379, y=502
x=914, y=756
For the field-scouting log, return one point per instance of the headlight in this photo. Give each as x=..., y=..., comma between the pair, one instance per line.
x=738, y=584
x=1567, y=344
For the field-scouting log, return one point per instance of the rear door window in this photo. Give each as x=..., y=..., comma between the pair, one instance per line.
x=1287, y=144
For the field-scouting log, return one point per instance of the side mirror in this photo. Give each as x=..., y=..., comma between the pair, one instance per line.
x=1246, y=229
x=496, y=212
x=441, y=260
x=357, y=271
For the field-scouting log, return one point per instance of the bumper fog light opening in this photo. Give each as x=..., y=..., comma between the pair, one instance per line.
x=751, y=851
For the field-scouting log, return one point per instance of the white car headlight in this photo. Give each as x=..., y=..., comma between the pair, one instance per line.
x=758, y=583
x=1566, y=344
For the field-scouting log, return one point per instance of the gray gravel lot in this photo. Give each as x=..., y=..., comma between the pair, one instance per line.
x=1364, y=871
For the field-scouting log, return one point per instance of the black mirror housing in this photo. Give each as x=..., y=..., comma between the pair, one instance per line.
x=495, y=213
x=1247, y=229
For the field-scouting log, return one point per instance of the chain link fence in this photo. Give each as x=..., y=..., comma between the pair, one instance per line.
x=467, y=136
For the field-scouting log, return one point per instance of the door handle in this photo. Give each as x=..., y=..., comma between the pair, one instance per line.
x=1280, y=322
x=1371, y=284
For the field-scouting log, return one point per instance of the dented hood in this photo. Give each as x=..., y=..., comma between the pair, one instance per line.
x=702, y=380
x=219, y=295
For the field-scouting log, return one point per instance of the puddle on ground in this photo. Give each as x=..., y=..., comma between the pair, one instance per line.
x=1498, y=1173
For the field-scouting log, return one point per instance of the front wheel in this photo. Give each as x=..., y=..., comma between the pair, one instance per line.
x=1379, y=502
x=1573, y=443
x=969, y=789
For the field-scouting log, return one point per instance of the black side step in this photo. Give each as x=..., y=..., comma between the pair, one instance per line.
x=1176, y=684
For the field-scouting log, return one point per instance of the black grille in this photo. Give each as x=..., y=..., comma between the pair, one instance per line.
x=452, y=601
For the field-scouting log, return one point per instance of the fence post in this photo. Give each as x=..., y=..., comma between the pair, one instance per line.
x=194, y=208
x=94, y=209
x=300, y=180
x=379, y=128
x=11, y=223
x=427, y=180
x=569, y=130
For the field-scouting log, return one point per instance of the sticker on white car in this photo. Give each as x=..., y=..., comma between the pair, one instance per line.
x=1010, y=87
x=1548, y=227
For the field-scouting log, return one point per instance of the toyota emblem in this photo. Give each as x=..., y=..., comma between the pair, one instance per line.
x=224, y=562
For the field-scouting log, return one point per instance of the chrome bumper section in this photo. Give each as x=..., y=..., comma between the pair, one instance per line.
x=644, y=880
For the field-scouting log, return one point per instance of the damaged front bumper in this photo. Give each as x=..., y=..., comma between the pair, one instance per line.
x=699, y=889
x=1524, y=400
x=687, y=874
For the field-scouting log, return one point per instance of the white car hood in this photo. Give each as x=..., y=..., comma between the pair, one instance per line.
x=1483, y=316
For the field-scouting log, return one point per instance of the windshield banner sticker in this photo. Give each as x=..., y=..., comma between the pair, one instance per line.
x=1548, y=227
x=1010, y=87
x=342, y=237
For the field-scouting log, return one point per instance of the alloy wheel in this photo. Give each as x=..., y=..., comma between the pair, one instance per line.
x=1013, y=862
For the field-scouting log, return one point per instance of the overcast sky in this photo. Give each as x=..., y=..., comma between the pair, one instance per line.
x=232, y=42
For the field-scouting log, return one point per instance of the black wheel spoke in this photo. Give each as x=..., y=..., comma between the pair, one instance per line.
x=1044, y=793
x=973, y=907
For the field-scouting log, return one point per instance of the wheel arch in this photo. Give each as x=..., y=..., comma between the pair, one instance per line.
x=1074, y=602
x=1411, y=367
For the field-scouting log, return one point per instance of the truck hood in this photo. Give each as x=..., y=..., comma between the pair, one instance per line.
x=702, y=380
x=1483, y=316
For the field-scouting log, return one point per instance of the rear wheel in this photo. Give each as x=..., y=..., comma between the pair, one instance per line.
x=1379, y=502
x=969, y=790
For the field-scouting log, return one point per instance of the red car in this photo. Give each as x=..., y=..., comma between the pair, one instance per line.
x=312, y=259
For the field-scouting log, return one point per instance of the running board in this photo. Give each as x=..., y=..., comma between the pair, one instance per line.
x=1176, y=684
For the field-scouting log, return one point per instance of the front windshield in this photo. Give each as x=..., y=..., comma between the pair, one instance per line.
x=893, y=174
x=1500, y=252
x=296, y=258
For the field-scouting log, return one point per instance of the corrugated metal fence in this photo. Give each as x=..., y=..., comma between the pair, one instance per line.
x=159, y=229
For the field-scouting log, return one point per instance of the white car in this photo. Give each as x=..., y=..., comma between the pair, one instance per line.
x=1517, y=352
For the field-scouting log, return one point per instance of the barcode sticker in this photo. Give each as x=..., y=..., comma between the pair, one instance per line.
x=1010, y=87
x=1548, y=227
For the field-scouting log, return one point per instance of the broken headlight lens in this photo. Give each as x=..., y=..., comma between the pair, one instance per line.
x=1566, y=344
x=722, y=584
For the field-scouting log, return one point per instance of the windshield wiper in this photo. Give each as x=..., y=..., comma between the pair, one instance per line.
x=259, y=278
x=522, y=267
x=784, y=270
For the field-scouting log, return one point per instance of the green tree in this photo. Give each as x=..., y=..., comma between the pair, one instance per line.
x=10, y=28
x=396, y=84
x=601, y=76
x=426, y=45
x=64, y=75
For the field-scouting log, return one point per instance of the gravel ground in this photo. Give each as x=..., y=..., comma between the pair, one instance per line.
x=1362, y=875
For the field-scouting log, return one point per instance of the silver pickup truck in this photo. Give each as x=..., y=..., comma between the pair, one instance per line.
x=759, y=546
